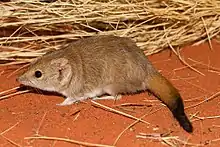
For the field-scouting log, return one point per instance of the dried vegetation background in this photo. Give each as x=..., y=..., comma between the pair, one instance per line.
x=30, y=28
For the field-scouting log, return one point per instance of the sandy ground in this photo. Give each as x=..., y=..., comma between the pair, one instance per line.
x=33, y=114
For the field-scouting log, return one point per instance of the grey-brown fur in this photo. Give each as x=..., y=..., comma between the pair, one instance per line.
x=97, y=65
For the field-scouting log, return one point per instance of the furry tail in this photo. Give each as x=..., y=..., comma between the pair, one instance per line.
x=169, y=95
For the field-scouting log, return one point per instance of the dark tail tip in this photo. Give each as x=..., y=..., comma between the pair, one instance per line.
x=181, y=117
x=184, y=122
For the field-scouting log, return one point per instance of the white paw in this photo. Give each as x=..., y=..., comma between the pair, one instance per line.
x=67, y=101
x=117, y=97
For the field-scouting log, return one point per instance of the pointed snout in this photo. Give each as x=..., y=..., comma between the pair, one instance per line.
x=20, y=79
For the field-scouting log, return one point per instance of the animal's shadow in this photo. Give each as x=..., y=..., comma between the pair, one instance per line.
x=38, y=91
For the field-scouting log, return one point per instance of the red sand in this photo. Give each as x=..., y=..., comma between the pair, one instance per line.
x=38, y=114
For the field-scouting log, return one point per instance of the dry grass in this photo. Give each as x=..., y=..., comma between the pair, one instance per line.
x=30, y=28
x=69, y=141
x=172, y=141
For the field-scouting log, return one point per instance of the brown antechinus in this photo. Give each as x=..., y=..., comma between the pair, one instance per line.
x=91, y=67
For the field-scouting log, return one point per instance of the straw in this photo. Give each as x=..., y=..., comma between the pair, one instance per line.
x=31, y=28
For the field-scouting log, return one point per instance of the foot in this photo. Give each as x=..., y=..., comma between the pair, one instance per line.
x=67, y=101
x=117, y=97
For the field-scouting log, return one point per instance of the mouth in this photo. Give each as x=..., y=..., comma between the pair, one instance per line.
x=24, y=81
x=20, y=79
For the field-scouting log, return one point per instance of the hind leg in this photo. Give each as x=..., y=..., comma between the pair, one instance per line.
x=113, y=92
x=127, y=87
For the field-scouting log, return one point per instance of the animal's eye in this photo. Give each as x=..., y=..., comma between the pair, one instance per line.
x=38, y=74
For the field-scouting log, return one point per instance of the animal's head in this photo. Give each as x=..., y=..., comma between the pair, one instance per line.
x=50, y=75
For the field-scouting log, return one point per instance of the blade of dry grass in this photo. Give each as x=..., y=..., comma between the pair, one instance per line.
x=7, y=130
x=132, y=124
x=69, y=141
x=172, y=141
x=206, y=100
x=11, y=141
x=13, y=94
x=9, y=90
x=117, y=112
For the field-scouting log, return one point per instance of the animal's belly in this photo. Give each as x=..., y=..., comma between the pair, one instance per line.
x=94, y=93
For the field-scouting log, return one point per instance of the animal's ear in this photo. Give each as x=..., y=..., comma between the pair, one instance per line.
x=64, y=70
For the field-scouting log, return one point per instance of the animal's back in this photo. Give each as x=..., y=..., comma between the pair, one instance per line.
x=111, y=58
